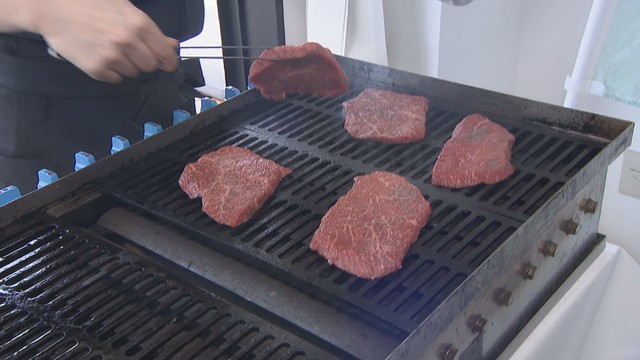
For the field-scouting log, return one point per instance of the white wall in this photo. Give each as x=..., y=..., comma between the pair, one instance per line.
x=294, y=13
x=352, y=28
x=404, y=36
x=525, y=48
x=550, y=37
x=326, y=23
x=213, y=70
x=413, y=35
x=366, y=26
x=480, y=44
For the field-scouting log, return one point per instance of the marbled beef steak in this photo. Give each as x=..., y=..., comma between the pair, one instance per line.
x=308, y=69
x=233, y=183
x=386, y=116
x=478, y=152
x=369, y=230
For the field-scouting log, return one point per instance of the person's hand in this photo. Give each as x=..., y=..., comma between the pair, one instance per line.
x=107, y=39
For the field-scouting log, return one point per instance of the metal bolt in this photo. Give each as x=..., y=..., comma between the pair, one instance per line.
x=503, y=297
x=549, y=248
x=447, y=352
x=570, y=227
x=589, y=206
x=476, y=323
x=528, y=271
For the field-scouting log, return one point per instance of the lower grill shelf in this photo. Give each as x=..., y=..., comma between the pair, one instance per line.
x=67, y=294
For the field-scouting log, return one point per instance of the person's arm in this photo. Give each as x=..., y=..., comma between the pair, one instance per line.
x=107, y=39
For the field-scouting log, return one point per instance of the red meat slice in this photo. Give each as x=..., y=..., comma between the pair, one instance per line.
x=370, y=229
x=386, y=116
x=479, y=151
x=308, y=69
x=233, y=182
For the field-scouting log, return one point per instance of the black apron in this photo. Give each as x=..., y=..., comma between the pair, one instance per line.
x=49, y=109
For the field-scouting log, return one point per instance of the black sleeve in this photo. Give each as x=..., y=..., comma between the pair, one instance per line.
x=179, y=19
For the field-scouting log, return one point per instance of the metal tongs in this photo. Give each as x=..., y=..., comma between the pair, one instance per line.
x=196, y=47
x=216, y=47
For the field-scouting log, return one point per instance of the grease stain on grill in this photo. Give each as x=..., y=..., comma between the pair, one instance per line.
x=69, y=294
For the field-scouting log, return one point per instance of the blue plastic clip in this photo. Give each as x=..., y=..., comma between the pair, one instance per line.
x=9, y=194
x=119, y=143
x=151, y=129
x=180, y=116
x=207, y=103
x=230, y=92
x=83, y=159
x=46, y=177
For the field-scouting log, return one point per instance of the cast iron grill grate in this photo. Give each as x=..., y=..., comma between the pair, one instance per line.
x=281, y=232
x=306, y=134
x=67, y=294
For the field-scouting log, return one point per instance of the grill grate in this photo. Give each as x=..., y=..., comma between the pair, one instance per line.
x=67, y=294
x=306, y=134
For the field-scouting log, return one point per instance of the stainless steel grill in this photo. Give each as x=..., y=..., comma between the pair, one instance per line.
x=488, y=257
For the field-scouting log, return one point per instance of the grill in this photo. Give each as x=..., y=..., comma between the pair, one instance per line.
x=456, y=240
x=488, y=257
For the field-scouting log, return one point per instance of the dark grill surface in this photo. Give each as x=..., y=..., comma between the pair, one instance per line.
x=306, y=134
x=67, y=294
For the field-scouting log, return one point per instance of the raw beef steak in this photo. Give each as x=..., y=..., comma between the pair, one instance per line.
x=479, y=151
x=386, y=116
x=233, y=183
x=308, y=69
x=370, y=229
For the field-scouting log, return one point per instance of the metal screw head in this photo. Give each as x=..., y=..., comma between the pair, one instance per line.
x=503, y=297
x=476, y=323
x=570, y=227
x=589, y=206
x=447, y=352
x=549, y=248
x=528, y=271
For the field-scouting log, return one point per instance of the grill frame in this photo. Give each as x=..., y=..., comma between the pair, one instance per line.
x=81, y=188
